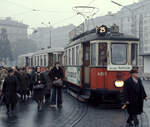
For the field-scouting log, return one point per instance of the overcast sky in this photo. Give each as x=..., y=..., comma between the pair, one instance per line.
x=58, y=12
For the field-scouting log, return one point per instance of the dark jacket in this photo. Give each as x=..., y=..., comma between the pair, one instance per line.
x=56, y=73
x=10, y=88
x=24, y=82
x=135, y=94
x=38, y=93
x=48, y=82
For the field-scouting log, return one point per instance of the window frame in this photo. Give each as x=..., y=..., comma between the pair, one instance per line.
x=125, y=43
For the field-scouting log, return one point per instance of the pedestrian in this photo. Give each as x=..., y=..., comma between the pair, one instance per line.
x=48, y=85
x=10, y=88
x=39, y=83
x=134, y=95
x=30, y=74
x=56, y=75
x=17, y=75
x=3, y=75
x=24, y=84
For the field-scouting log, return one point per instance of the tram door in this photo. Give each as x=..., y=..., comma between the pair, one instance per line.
x=50, y=59
x=86, y=63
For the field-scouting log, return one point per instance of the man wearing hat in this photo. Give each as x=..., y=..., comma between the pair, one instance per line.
x=134, y=95
x=10, y=88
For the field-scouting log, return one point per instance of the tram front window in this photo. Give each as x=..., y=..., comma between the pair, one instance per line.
x=119, y=54
x=134, y=54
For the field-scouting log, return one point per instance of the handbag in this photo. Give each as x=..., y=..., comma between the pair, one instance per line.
x=58, y=83
x=38, y=86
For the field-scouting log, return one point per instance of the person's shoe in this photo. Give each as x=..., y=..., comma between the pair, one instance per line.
x=130, y=124
x=52, y=106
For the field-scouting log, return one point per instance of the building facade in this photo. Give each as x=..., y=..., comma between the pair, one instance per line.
x=15, y=30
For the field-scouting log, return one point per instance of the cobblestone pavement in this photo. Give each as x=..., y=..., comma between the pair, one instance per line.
x=73, y=114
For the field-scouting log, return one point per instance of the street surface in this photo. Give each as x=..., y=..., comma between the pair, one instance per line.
x=73, y=114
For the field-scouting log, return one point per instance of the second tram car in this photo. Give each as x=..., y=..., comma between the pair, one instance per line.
x=98, y=61
x=43, y=58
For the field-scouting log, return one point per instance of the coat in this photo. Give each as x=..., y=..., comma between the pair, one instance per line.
x=56, y=73
x=24, y=82
x=48, y=82
x=135, y=94
x=38, y=94
x=10, y=88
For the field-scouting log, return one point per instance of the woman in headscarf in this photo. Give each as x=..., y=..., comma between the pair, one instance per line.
x=39, y=83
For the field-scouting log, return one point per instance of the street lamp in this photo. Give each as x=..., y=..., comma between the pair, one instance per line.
x=132, y=15
x=49, y=26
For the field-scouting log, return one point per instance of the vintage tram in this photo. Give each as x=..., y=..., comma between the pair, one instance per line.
x=43, y=58
x=97, y=62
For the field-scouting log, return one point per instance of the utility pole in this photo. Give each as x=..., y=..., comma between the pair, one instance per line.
x=50, y=38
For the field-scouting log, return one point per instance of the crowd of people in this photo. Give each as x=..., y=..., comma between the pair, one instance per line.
x=46, y=87
x=43, y=86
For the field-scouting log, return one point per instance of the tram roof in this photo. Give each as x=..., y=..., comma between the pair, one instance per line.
x=110, y=36
x=59, y=49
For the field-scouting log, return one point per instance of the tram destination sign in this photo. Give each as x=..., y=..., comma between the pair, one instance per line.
x=72, y=74
x=119, y=67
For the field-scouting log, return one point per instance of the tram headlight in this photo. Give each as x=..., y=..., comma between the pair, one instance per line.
x=119, y=83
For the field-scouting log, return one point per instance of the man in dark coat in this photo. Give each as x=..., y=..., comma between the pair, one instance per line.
x=39, y=83
x=10, y=88
x=48, y=85
x=134, y=95
x=24, y=84
x=55, y=74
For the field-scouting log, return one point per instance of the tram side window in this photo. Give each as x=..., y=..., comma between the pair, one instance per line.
x=119, y=54
x=93, y=54
x=69, y=56
x=102, y=57
x=35, y=60
x=38, y=61
x=73, y=56
x=44, y=60
x=134, y=54
x=41, y=61
x=77, y=55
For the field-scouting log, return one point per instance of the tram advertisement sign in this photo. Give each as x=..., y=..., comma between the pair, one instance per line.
x=72, y=74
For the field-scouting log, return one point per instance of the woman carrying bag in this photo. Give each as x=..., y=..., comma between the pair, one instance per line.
x=39, y=83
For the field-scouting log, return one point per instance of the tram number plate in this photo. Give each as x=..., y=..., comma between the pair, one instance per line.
x=102, y=73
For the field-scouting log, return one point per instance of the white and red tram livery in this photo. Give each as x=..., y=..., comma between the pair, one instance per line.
x=98, y=61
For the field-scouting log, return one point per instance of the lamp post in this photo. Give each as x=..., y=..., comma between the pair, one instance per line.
x=50, y=44
x=132, y=16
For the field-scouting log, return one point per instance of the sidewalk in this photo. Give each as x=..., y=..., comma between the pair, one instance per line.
x=147, y=103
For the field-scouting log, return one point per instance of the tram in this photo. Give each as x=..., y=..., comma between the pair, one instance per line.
x=97, y=62
x=43, y=58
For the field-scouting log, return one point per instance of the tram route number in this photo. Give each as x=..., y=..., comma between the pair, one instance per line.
x=102, y=30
